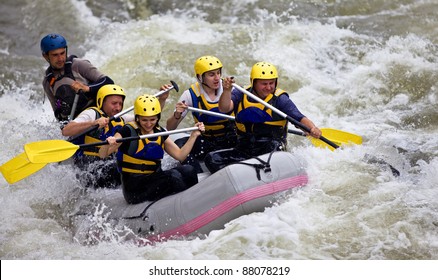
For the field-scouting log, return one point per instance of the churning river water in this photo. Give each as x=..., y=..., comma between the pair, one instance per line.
x=365, y=67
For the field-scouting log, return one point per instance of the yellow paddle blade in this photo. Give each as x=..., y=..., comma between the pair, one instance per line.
x=19, y=168
x=50, y=151
x=339, y=137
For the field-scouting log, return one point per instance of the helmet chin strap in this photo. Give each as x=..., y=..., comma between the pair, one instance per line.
x=202, y=83
x=205, y=85
x=201, y=80
x=215, y=90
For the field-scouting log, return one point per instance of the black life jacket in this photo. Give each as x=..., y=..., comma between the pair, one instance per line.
x=64, y=94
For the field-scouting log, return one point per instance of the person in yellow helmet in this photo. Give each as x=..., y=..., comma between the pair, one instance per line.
x=259, y=129
x=95, y=172
x=139, y=161
x=220, y=133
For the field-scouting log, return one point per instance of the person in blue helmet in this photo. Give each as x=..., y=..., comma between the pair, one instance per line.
x=259, y=129
x=67, y=76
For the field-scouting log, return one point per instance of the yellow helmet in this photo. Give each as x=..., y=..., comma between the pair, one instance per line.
x=108, y=90
x=207, y=63
x=264, y=71
x=147, y=106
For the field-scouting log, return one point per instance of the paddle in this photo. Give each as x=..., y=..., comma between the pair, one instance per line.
x=174, y=86
x=75, y=104
x=336, y=136
x=58, y=150
x=284, y=115
x=394, y=171
x=20, y=167
x=216, y=114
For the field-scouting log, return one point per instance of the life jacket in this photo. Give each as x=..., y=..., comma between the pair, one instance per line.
x=67, y=71
x=63, y=93
x=214, y=126
x=143, y=156
x=100, y=134
x=253, y=119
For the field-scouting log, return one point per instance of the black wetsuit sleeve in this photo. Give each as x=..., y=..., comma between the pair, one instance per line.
x=94, y=87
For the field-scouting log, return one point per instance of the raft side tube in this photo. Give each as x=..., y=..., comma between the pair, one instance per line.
x=226, y=195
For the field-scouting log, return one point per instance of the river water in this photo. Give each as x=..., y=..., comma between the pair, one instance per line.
x=365, y=67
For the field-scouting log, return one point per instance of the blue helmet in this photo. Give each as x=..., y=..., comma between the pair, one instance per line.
x=52, y=42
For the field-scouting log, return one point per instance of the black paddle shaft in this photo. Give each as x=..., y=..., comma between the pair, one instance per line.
x=302, y=126
x=125, y=139
x=137, y=137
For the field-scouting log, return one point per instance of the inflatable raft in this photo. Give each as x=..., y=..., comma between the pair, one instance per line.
x=237, y=190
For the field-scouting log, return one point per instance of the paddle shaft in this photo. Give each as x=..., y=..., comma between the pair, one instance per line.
x=284, y=115
x=225, y=116
x=220, y=115
x=394, y=171
x=144, y=136
x=75, y=104
x=174, y=86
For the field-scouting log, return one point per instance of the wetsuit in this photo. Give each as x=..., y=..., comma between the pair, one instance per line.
x=57, y=86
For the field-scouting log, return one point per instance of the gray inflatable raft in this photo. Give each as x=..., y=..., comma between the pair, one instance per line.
x=234, y=191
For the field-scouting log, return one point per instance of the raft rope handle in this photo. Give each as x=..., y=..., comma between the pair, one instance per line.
x=263, y=165
x=142, y=215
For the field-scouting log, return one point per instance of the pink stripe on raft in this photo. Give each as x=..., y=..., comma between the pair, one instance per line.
x=232, y=202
